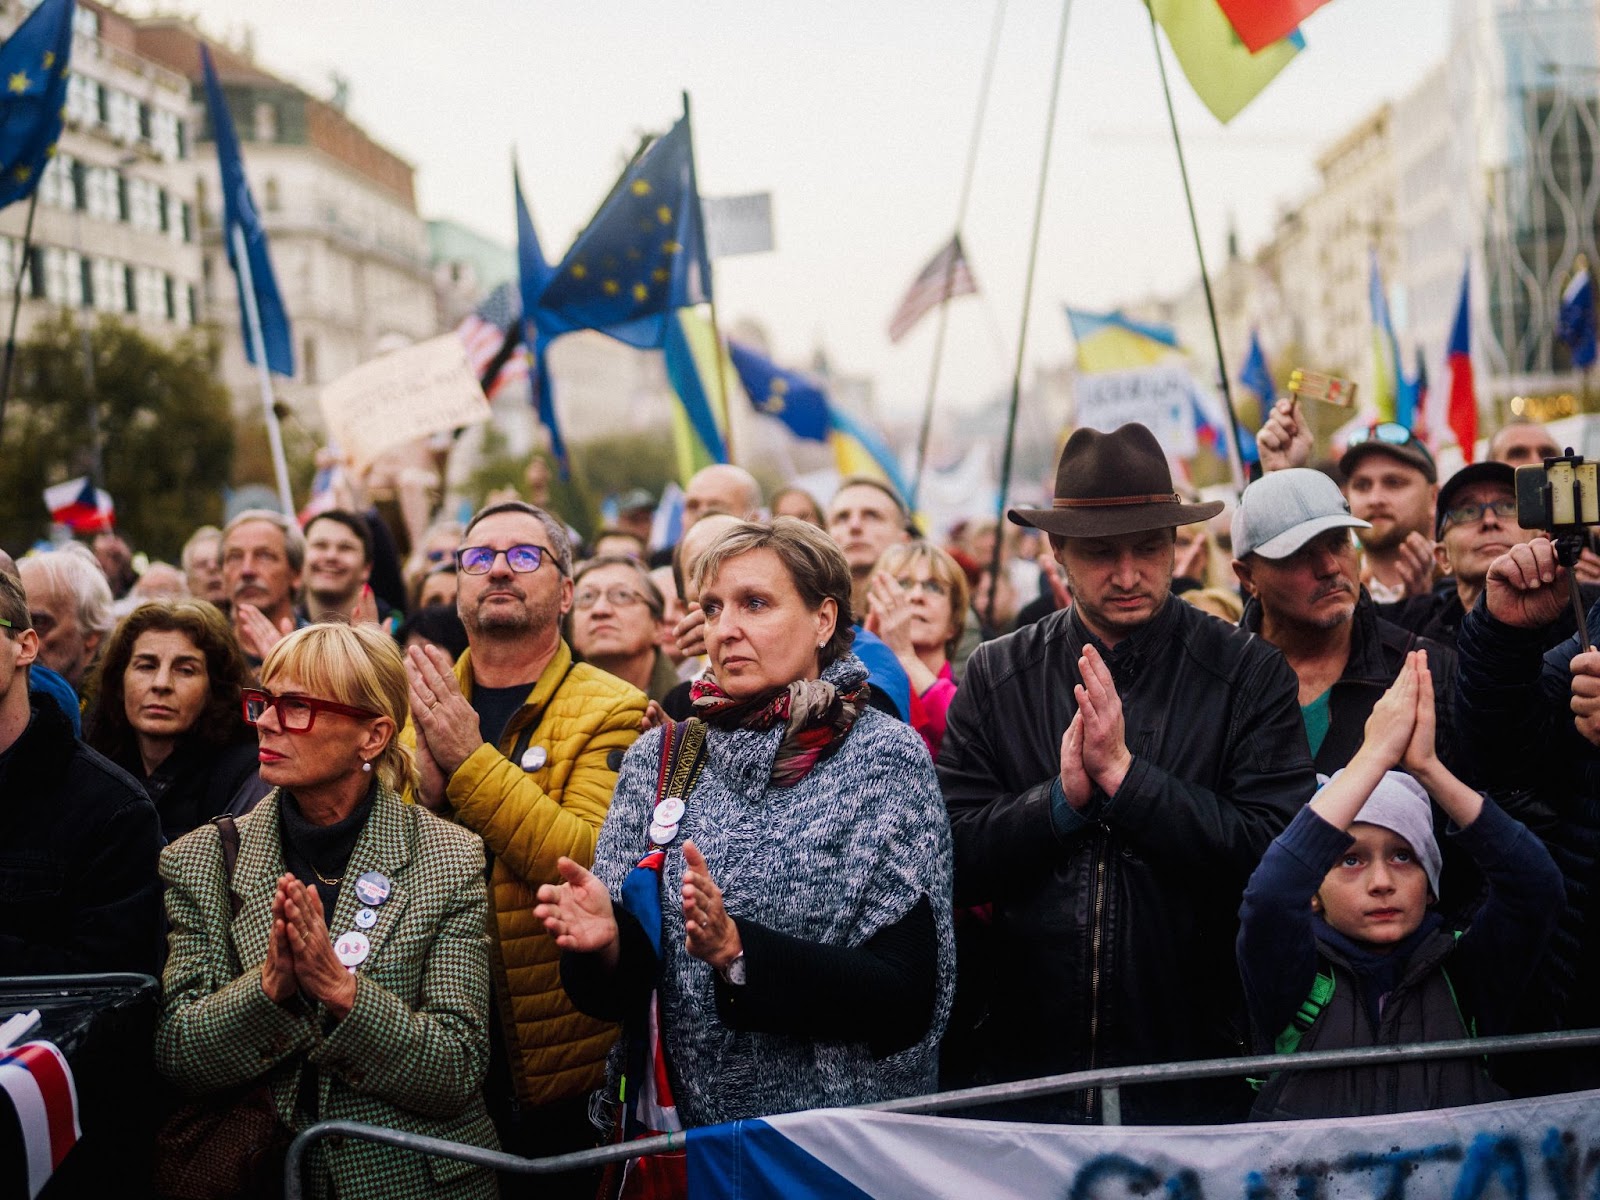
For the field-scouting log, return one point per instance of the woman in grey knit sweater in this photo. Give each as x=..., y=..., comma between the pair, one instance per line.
x=803, y=954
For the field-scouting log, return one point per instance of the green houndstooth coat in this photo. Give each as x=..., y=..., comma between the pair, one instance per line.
x=412, y=1052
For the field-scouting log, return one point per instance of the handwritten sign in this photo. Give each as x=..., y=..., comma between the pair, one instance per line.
x=408, y=394
x=1159, y=398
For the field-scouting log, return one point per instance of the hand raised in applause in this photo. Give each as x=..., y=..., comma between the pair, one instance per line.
x=577, y=912
x=1105, y=747
x=712, y=935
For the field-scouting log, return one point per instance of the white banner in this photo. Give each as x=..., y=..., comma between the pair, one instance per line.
x=738, y=224
x=1156, y=397
x=407, y=394
x=1540, y=1149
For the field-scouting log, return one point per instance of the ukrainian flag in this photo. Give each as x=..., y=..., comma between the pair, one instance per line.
x=1219, y=66
x=859, y=450
x=1111, y=341
x=698, y=420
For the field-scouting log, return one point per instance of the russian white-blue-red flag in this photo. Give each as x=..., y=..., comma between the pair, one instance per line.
x=1463, y=411
x=239, y=213
x=1575, y=322
x=33, y=74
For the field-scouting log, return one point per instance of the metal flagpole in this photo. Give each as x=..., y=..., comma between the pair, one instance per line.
x=950, y=271
x=247, y=289
x=16, y=307
x=1234, y=462
x=1027, y=304
x=711, y=298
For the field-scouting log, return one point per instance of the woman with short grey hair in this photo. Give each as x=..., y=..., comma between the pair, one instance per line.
x=802, y=955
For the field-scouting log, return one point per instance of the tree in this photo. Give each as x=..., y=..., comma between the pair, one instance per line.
x=165, y=426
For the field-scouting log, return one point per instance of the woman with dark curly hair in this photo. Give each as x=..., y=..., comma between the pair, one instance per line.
x=164, y=706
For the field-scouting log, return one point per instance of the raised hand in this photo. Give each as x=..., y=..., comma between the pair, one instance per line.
x=1526, y=586
x=438, y=708
x=1394, y=717
x=1421, y=753
x=1586, y=695
x=712, y=935
x=277, y=969
x=257, y=634
x=1416, y=564
x=1284, y=439
x=690, y=633
x=889, y=614
x=322, y=976
x=577, y=912
x=1105, y=746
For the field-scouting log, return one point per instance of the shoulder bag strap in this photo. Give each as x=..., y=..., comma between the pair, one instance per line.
x=228, y=834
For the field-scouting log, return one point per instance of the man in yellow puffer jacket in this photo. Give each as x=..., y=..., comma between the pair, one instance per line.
x=521, y=745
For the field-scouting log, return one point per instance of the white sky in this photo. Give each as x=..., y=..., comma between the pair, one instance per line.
x=857, y=115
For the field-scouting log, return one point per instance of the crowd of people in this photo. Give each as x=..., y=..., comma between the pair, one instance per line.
x=505, y=839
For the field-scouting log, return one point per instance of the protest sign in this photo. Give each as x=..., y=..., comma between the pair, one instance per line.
x=1156, y=397
x=407, y=394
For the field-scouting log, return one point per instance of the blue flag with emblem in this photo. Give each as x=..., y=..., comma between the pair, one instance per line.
x=239, y=212
x=797, y=401
x=33, y=64
x=642, y=255
x=533, y=274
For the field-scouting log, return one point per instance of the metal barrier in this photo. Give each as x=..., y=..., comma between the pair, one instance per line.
x=1110, y=1081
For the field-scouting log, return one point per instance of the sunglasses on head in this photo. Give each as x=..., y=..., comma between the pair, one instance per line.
x=1390, y=433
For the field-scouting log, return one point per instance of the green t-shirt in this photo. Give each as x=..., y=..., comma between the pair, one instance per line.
x=1317, y=718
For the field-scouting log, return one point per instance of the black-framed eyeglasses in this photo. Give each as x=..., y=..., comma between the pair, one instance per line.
x=618, y=595
x=929, y=587
x=1472, y=514
x=479, y=560
x=297, y=714
x=1390, y=433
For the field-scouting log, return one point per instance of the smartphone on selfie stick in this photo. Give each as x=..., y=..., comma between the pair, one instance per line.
x=1562, y=497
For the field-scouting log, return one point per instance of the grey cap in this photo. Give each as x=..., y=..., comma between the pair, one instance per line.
x=1283, y=510
x=1400, y=805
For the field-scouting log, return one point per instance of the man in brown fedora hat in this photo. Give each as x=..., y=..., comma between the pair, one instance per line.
x=1113, y=775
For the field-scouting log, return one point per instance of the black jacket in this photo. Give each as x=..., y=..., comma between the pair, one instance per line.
x=1378, y=650
x=1438, y=614
x=198, y=782
x=1114, y=944
x=79, y=842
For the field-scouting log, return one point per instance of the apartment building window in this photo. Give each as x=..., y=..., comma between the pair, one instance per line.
x=191, y=305
x=124, y=119
x=182, y=127
x=146, y=130
x=80, y=187
x=162, y=200
x=266, y=121
x=107, y=285
x=187, y=213
x=36, y=273
x=169, y=296
x=63, y=283
x=85, y=282
x=124, y=207
x=102, y=185
x=130, y=297
x=102, y=103
x=152, y=293
x=166, y=138
x=83, y=101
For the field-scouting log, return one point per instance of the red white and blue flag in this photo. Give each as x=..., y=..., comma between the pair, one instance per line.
x=1259, y=23
x=38, y=1116
x=80, y=506
x=1463, y=411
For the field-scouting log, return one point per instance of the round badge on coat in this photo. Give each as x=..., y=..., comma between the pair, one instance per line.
x=352, y=949
x=669, y=811
x=660, y=835
x=534, y=757
x=366, y=919
x=373, y=888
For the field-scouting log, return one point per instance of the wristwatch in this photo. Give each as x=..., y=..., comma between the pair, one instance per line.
x=733, y=973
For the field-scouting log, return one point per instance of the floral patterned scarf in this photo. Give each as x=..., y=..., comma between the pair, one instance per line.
x=816, y=715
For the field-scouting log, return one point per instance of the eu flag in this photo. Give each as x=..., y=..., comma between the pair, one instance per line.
x=239, y=212
x=33, y=64
x=642, y=255
x=788, y=395
x=1575, y=318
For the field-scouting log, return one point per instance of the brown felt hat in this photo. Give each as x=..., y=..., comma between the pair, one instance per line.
x=1112, y=483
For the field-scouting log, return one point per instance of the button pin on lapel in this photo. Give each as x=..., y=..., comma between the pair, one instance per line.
x=534, y=757
x=352, y=949
x=372, y=888
x=366, y=919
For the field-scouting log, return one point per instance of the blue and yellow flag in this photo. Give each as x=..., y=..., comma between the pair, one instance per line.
x=1394, y=399
x=643, y=254
x=33, y=64
x=1110, y=341
x=692, y=361
x=1219, y=66
x=239, y=212
x=858, y=449
x=799, y=402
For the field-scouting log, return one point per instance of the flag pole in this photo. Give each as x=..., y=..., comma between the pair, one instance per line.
x=16, y=307
x=711, y=296
x=1234, y=462
x=950, y=270
x=247, y=291
x=1027, y=304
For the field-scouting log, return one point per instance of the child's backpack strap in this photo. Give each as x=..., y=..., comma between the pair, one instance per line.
x=1310, y=1009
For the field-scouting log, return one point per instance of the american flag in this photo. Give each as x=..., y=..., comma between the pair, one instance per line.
x=947, y=275
x=485, y=333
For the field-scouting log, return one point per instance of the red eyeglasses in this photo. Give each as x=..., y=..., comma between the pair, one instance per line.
x=295, y=713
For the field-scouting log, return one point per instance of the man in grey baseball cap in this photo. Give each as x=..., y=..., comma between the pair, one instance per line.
x=1300, y=570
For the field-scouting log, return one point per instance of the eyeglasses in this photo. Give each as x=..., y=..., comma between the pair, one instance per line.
x=1390, y=433
x=295, y=713
x=1472, y=514
x=479, y=560
x=930, y=586
x=617, y=595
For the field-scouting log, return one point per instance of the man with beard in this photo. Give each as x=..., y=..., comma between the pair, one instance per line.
x=521, y=744
x=1298, y=567
x=1392, y=484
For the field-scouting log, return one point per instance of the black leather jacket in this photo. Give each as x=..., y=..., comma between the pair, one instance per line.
x=1114, y=944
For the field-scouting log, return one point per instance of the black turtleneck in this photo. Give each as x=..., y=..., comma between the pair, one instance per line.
x=315, y=854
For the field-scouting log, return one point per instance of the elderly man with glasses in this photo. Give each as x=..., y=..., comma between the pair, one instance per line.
x=521, y=743
x=616, y=623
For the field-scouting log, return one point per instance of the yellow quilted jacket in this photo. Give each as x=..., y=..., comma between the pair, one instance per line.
x=585, y=720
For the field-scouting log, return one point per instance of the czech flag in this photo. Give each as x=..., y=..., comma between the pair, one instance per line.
x=1259, y=23
x=1463, y=412
x=80, y=506
x=38, y=1116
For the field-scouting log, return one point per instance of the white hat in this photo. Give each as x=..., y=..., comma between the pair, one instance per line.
x=1283, y=510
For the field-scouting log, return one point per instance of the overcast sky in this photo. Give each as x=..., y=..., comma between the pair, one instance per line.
x=857, y=115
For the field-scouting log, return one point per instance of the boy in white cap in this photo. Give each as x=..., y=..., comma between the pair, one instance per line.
x=1337, y=946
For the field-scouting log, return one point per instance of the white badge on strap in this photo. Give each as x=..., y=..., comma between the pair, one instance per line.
x=660, y=835
x=352, y=949
x=669, y=811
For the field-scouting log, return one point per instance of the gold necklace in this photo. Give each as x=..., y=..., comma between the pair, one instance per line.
x=323, y=879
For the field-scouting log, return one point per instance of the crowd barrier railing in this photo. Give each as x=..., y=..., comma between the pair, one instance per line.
x=1110, y=1081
